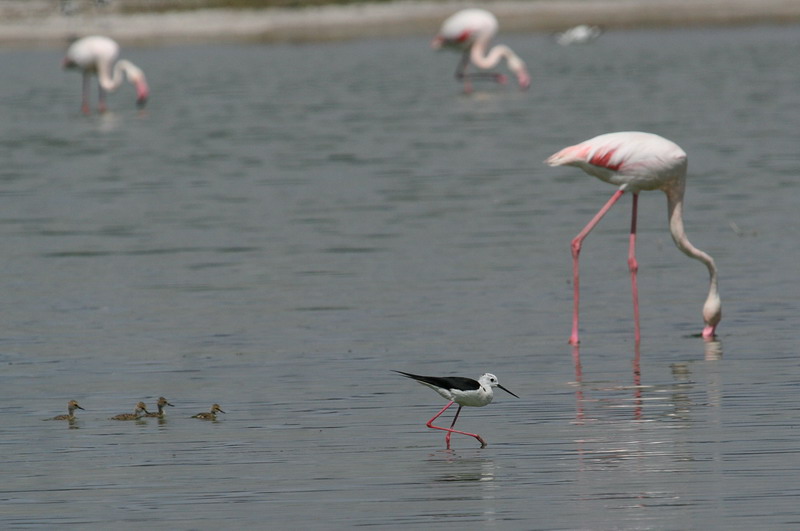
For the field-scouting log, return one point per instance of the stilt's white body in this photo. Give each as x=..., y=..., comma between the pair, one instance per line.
x=482, y=396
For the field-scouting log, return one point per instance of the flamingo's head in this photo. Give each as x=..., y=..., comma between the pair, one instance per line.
x=524, y=79
x=142, y=92
x=518, y=67
x=712, y=315
x=136, y=78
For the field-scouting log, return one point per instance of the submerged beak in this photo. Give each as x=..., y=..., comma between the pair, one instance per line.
x=507, y=391
x=142, y=92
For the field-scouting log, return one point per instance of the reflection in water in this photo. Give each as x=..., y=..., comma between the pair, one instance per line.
x=462, y=468
x=470, y=472
x=713, y=350
x=648, y=437
x=576, y=360
x=637, y=380
x=636, y=386
x=618, y=455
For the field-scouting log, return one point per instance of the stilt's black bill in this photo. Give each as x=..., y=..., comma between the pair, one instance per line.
x=506, y=390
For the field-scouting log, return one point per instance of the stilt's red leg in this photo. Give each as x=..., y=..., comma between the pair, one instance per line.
x=633, y=266
x=449, y=433
x=576, y=250
x=450, y=430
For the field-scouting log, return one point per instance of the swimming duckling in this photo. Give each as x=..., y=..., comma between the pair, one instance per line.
x=209, y=415
x=131, y=416
x=72, y=405
x=161, y=403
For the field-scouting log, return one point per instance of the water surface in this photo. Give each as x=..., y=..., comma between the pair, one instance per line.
x=285, y=224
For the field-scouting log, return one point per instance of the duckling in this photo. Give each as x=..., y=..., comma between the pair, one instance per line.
x=161, y=403
x=131, y=416
x=209, y=415
x=72, y=405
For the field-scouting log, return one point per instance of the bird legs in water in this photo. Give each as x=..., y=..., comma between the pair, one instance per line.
x=450, y=430
x=85, y=95
x=633, y=265
x=461, y=74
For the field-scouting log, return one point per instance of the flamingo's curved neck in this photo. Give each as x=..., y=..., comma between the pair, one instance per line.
x=482, y=59
x=712, y=309
x=111, y=78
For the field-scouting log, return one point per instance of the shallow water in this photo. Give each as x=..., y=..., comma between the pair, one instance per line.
x=285, y=224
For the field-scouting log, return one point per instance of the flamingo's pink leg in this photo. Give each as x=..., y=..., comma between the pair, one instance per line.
x=450, y=430
x=633, y=266
x=576, y=251
x=85, y=108
x=101, y=105
x=462, y=75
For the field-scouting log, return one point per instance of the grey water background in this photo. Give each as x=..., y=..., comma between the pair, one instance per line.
x=284, y=224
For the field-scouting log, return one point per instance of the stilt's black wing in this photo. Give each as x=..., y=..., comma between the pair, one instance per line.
x=445, y=382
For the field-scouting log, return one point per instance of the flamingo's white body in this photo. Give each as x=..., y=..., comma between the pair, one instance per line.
x=637, y=161
x=471, y=31
x=97, y=56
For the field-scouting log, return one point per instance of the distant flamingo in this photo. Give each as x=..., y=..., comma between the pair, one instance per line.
x=638, y=161
x=96, y=56
x=580, y=34
x=471, y=30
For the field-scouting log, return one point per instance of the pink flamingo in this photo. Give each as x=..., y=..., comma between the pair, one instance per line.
x=96, y=55
x=637, y=161
x=471, y=30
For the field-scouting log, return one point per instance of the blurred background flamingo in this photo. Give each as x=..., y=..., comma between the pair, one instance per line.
x=471, y=30
x=580, y=34
x=637, y=161
x=96, y=56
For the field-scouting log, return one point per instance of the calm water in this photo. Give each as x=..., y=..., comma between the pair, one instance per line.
x=285, y=224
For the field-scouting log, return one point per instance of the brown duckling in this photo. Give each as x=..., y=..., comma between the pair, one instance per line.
x=161, y=403
x=132, y=416
x=72, y=405
x=209, y=415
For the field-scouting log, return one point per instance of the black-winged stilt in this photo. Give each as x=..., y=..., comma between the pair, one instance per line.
x=461, y=391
